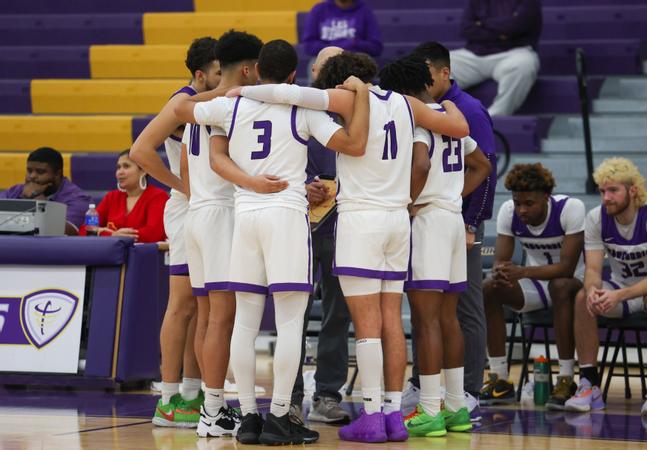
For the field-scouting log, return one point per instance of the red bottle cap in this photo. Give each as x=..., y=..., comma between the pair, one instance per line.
x=541, y=359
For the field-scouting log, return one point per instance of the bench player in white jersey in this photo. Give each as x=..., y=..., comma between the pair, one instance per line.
x=617, y=229
x=271, y=243
x=550, y=229
x=176, y=337
x=372, y=234
x=208, y=235
x=438, y=268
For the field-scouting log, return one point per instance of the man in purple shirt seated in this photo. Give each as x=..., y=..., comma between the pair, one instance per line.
x=45, y=181
x=502, y=39
x=349, y=24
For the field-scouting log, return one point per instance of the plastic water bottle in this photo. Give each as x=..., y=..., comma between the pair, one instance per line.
x=92, y=220
x=542, y=380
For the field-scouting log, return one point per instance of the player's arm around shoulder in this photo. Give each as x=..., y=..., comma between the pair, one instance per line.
x=351, y=140
x=450, y=123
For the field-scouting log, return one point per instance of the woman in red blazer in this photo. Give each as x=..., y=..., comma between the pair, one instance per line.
x=135, y=209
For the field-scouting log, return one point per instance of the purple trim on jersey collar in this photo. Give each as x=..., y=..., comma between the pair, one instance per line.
x=290, y=287
x=178, y=269
x=540, y=290
x=233, y=118
x=553, y=226
x=175, y=138
x=382, y=97
x=248, y=287
x=293, y=126
x=413, y=125
x=610, y=228
x=200, y=292
x=217, y=286
x=440, y=285
x=370, y=273
x=185, y=90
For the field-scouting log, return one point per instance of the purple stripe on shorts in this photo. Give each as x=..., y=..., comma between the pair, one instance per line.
x=540, y=290
x=200, y=292
x=247, y=287
x=370, y=273
x=293, y=126
x=233, y=118
x=309, y=250
x=175, y=138
x=179, y=269
x=413, y=125
x=625, y=309
x=382, y=97
x=290, y=287
x=441, y=285
x=218, y=286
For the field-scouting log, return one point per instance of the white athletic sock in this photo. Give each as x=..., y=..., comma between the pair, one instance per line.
x=169, y=390
x=214, y=399
x=430, y=393
x=499, y=365
x=289, y=309
x=280, y=405
x=392, y=401
x=567, y=367
x=454, y=392
x=370, y=365
x=190, y=388
x=249, y=312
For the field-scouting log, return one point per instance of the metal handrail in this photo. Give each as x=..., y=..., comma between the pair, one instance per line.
x=580, y=68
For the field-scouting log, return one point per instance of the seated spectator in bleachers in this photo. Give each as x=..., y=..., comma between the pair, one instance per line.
x=135, y=209
x=349, y=24
x=551, y=231
x=502, y=38
x=45, y=181
x=617, y=229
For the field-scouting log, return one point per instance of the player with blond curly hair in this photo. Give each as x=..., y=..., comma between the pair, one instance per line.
x=617, y=228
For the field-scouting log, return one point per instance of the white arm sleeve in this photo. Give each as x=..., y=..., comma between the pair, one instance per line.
x=289, y=94
x=593, y=231
x=504, y=219
x=422, y=135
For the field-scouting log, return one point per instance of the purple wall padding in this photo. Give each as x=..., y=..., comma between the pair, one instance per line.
x=139, y=347
x=15, y=95
x=72, y=29
x=44, y=62
x=93, y=6
x=64, y=250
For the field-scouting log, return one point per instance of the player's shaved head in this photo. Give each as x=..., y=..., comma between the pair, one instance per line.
x=323, y=56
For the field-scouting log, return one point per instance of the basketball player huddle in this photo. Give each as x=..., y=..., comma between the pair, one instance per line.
x=239, y=218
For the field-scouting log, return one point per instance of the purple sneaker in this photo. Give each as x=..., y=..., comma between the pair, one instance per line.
x=395, y=429
x=366, y=428
x=586, y=398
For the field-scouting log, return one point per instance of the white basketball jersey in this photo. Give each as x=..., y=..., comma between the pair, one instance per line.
x=207, y=187
x=382, y=177
x=447, y=173
x=268, y=139
x=173, y=144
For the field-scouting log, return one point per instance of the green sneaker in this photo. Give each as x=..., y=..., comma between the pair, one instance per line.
x=197, y=402
x=420, y=424
x=176, y=413
x=458, y=420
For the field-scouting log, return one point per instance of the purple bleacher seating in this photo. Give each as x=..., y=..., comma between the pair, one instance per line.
x=96, y=171
x=93, y=6
x=549, y=95
x=72, y=29
x=524, y=133
x=44, y=62
x=604, y=57
x=594, y=22
x=436, y=4
x=15, y=95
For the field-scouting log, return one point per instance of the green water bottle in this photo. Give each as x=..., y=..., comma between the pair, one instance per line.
x=542, y=380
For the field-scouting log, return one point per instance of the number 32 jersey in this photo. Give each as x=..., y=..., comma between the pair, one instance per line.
x=446, y=175
x=543, y=243
x=625, y=246
x=268, y=139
